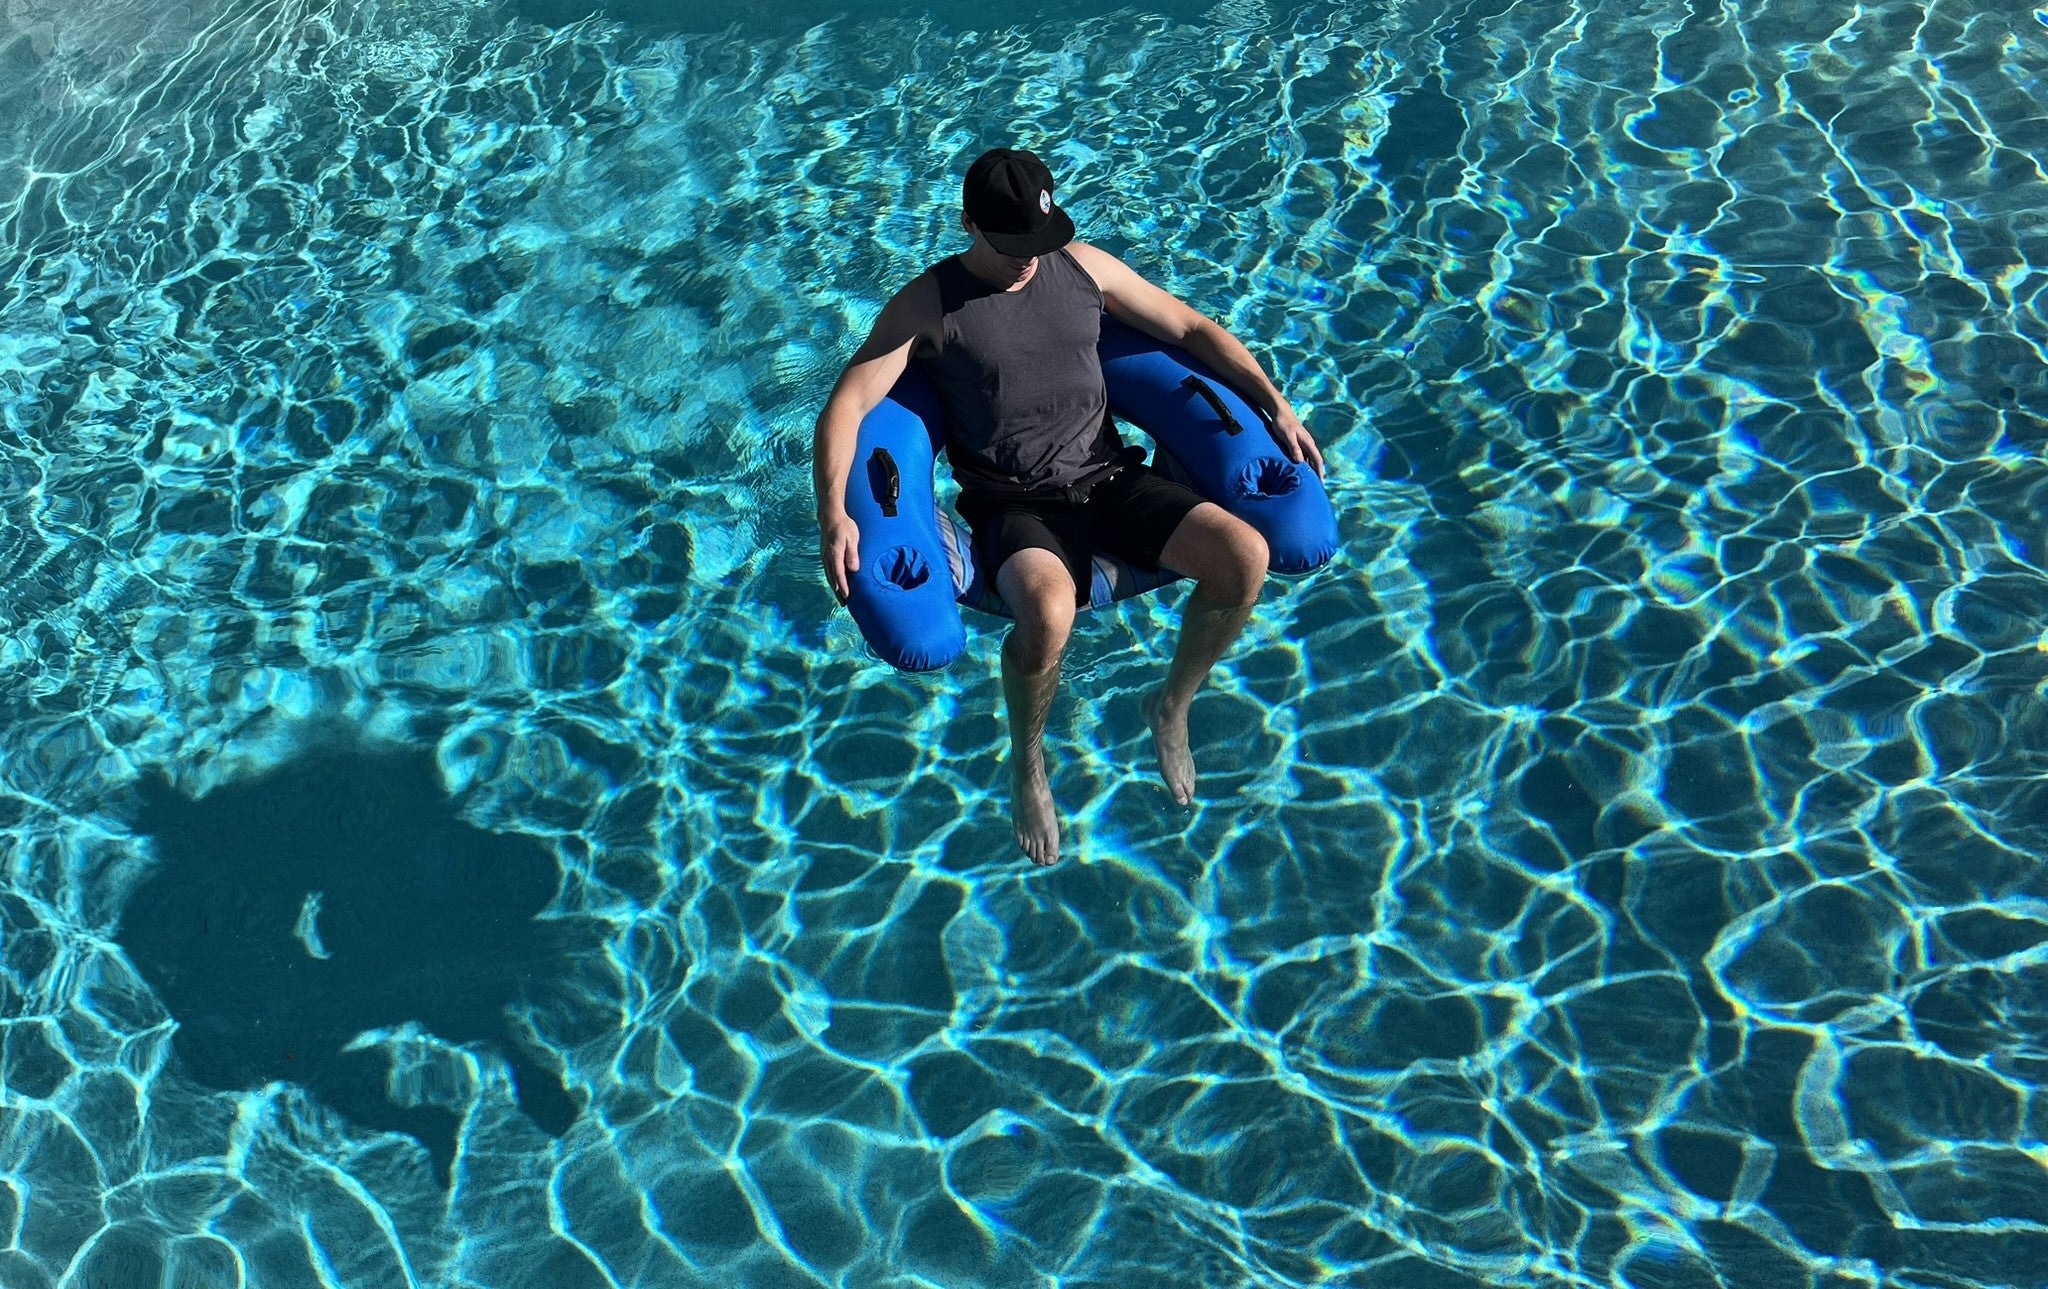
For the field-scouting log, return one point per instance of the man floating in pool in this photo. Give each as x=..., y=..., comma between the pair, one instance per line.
x=1007, y=331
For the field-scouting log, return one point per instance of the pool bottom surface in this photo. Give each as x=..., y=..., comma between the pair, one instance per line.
x=451, y=838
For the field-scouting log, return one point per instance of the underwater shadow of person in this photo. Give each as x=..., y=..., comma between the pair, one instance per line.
x=337, y=893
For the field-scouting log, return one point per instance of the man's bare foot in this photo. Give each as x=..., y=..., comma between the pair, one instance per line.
x=1170, y=737
x=1033, y=814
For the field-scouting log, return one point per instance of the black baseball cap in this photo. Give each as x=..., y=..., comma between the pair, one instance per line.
x=1008, y=195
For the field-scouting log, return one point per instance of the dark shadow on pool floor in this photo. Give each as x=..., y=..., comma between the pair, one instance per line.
x=419, y=915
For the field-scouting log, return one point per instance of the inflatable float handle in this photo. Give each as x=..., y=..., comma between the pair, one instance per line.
x=1223, y=412
x=885, y=480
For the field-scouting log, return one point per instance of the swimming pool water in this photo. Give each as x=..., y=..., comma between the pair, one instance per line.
x=451, y=839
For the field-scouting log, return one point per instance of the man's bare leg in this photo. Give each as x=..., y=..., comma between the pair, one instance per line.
x=1228, y=558
x=1038, y=588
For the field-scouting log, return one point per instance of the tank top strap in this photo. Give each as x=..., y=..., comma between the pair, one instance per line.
x=956, y=284
x=1064, y=265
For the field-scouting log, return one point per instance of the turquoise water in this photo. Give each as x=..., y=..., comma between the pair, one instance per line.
x=450, y=838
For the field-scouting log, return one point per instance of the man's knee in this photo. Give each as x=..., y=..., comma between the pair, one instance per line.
x=1226, y=556
x=1040, y=592
x=1237, y=572
x=1040, y=636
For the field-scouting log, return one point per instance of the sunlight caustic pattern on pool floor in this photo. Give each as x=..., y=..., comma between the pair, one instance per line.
x=447, y=836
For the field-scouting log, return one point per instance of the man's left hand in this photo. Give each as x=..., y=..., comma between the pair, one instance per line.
x=1294, y=439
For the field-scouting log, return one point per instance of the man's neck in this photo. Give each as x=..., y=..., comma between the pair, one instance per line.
x=991, y=270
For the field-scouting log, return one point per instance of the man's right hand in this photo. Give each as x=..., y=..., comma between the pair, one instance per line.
x=839, y=551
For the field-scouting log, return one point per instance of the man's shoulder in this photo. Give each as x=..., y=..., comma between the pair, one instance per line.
x=1087, y=255
x=918, y=291
x=916, y=306
x=1096, y=262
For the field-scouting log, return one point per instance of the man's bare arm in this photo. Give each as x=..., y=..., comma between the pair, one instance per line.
x=871, y=372
x=1132, y=300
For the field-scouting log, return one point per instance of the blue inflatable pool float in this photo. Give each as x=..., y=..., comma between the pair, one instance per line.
x=916, y=561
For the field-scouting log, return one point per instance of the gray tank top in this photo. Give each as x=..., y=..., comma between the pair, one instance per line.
x=1019, y=377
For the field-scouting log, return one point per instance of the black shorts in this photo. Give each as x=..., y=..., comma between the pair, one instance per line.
x=1129, y=515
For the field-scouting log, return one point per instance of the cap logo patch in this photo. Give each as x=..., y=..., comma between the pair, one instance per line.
x=1044, y=202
